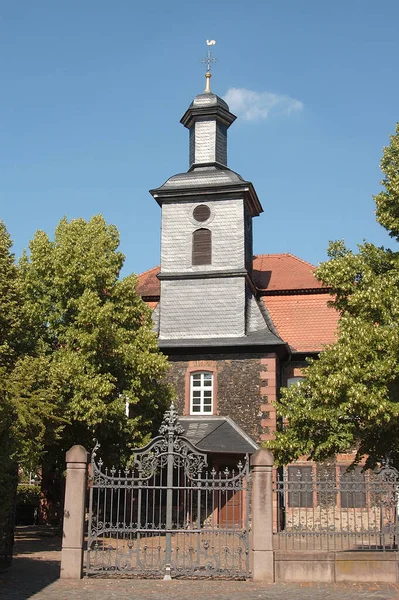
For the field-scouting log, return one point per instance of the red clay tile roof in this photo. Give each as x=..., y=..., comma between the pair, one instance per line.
x=305, y=321
x=272, y=272
x=302, y=319
x=151, y=304
x=283, y=272
x=148, y=283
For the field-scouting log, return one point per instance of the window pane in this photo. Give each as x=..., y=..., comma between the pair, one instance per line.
x=294, y=380
x=201, y=392
x=300, y=487
x=353, y=491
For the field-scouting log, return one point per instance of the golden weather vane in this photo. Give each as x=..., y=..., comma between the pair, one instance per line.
x=209, y=60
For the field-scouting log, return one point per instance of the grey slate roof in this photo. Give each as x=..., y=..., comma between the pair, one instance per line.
x=208, y=99
x=217, y=434
x=209, y=175
x=256, y=338
x=210, y=106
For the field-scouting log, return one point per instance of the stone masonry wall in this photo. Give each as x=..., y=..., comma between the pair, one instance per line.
x=245, y=385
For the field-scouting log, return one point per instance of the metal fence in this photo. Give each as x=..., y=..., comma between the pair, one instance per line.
x=168, y=516
x=323, y=507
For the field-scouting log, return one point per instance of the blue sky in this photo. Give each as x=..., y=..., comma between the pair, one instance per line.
x=93, y=91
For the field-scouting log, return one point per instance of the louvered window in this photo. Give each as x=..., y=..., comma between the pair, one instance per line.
x=202, y=247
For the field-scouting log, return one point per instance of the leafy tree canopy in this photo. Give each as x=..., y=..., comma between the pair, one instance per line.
x=387, y=201
x=91, y=346
x=10, y=302
x=349, y=398
x=11, y=342
x=11, y=347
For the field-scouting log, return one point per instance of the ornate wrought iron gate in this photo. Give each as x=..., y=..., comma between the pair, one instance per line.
x=167, y=516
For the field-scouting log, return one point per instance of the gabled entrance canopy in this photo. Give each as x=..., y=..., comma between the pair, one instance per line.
x=218, y=435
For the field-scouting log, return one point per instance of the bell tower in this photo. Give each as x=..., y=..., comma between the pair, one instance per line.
x=206, y=239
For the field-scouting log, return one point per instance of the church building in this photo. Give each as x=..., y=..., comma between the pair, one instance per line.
x=235, y=327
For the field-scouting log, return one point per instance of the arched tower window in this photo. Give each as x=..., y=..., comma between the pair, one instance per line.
x=202, y=247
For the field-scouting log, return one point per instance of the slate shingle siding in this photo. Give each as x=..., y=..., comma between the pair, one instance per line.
x=228, y=240
x=201, y=308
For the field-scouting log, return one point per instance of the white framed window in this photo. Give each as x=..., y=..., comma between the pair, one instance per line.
x=294, y=380
x=201, y=393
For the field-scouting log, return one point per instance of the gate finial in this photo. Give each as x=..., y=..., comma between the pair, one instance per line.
x=96, y=447
x=170, y=425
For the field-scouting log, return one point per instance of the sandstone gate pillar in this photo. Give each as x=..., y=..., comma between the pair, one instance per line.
x=262, y=516
x=74, y=513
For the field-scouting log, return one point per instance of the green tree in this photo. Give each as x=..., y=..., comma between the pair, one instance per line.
x=387, y=201
x=349, y=398
x=92, y=345
x=10, y=348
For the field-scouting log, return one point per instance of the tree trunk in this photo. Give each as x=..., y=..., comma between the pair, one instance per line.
x=51, y=496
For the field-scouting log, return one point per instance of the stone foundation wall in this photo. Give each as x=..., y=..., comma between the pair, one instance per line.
x=335, y=567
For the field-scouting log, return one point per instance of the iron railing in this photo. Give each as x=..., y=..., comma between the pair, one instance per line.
x=329, y=508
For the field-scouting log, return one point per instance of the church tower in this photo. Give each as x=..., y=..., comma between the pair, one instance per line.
x=206, y=241
x=227, y=358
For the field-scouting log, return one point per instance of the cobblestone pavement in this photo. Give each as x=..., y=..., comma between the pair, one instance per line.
x=35, y=573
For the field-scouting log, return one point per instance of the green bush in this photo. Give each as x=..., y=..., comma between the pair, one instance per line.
x=28, y=495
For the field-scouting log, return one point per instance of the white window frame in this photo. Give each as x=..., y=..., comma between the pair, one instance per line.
x=294, y=380
x=201, y=388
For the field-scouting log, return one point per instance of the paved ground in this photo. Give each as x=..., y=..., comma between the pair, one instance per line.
x=35, y=572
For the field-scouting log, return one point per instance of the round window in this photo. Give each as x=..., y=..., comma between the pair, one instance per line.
x=201, y=213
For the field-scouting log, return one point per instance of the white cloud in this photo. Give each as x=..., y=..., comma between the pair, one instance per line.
x=257, y=106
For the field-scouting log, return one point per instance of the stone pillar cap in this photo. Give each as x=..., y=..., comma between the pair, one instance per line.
x=262, y=458
x=76, y=454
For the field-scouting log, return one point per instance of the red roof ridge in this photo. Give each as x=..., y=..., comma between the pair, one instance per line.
x=306, y=262
x=148, y=271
